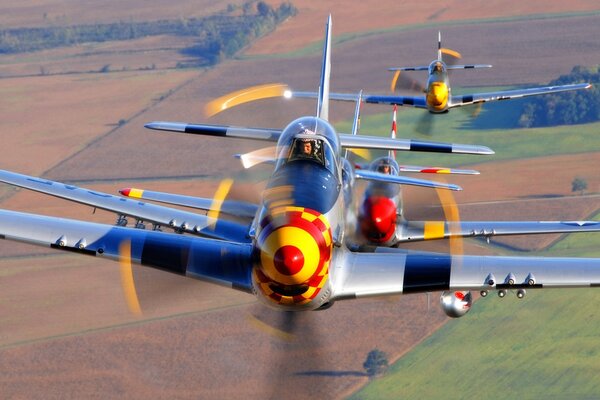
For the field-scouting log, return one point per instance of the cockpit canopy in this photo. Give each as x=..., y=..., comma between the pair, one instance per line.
x=385, y=165
x=436, y=67
x=309, y=139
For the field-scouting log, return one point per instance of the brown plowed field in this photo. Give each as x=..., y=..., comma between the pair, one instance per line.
x=361, y=16
x=64, y=328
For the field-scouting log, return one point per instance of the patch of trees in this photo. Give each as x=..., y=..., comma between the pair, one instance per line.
x=376, y=363
x=568, y=108
x=217, y=36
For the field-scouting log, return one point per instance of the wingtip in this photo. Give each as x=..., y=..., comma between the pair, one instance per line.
x=131, y=192
x=166, y=126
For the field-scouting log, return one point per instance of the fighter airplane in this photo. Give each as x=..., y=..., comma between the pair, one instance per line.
x=381, y=221
x=294, y=254
x=437, y=97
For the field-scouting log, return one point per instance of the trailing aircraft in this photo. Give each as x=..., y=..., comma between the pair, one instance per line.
x=436, y=96
x=382, y=223
x=294, y=252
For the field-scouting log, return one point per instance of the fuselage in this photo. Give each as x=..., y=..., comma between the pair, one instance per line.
x=438, y=88
x=301, y=218
x=381, y=206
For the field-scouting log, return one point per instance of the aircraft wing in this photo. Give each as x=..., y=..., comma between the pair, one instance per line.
x=388, y=271
x=231, y=207
x=412, y=231
x=218, y=261
x=402, y=180
x=463, y=100
x=177, y=219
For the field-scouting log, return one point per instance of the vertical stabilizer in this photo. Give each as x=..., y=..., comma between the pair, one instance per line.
x=392, y=153
x=323, y=100
x=356, y=122
x=439, y=46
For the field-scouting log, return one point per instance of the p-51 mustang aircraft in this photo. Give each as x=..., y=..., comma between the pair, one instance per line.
x=294, y=253
x=437, y=97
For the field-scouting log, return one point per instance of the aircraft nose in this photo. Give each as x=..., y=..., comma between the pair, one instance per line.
x=380, y=215
x=288, y=260
x=294, y=247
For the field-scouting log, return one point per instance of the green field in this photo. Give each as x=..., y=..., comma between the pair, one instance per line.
x=493, y=127
x=544, y=346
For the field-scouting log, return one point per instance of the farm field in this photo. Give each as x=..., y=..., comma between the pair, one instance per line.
x=544, y=344
x=64, y=327
x=390, y=14
x=33, y=13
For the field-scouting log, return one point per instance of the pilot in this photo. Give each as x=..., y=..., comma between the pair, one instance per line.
x=437, y=67
x=307, y=148
x=384, y=167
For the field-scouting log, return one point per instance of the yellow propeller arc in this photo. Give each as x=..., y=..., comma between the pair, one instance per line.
x=246, y=95
x=127, y=281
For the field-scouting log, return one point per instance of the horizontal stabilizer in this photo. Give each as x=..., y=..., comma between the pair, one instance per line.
x=402, y=180
x=418, y=68
x=468, y=66
x=237, y=208
x=437, y=170
x=409, y=101
x=374, y=142
x=271, y=135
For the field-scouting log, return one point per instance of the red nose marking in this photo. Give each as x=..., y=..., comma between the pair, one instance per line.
x=288, y=260
x=459, y=295
x=381, y=213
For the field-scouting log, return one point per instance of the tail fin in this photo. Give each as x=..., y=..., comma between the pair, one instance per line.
x=356, y=122
x=439, y=46
x=323, y=99
x=392, y=153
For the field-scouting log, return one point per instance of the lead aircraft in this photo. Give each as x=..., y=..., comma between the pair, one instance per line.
x=295, y=251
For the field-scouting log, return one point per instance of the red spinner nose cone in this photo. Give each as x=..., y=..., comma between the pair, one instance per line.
x=288, y=260
x=381, y=212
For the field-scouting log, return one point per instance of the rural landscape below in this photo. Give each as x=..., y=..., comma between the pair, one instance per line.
x=74, y=111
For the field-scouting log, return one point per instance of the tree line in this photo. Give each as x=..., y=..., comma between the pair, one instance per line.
x=217, y=36
x=568, y=108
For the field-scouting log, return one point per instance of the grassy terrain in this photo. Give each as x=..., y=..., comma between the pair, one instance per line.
x=545, y=344
x=493, y=127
